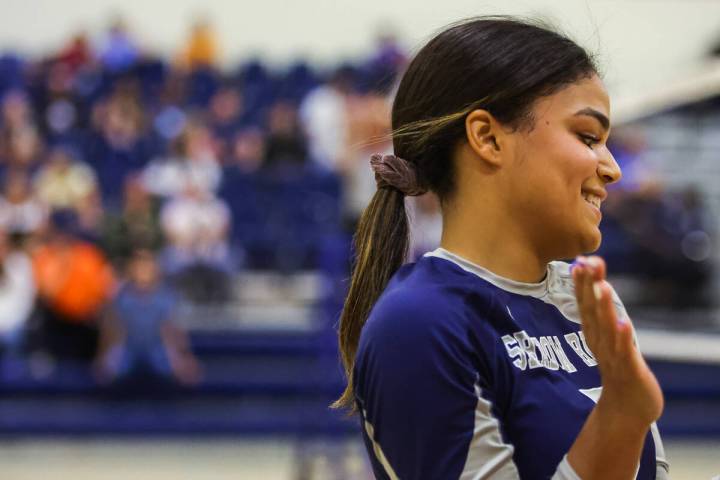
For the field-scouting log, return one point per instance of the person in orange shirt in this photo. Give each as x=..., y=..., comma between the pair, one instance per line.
x=74, y=283
x=201, y=50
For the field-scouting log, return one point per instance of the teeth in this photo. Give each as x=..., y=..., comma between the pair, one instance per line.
x=592, y=199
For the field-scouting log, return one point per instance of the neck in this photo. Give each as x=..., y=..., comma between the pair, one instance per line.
x=493, y=243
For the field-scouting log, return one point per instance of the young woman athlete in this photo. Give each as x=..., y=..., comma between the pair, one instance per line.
x=489, y=358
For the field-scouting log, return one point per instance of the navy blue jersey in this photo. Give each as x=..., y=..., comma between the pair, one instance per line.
x=463, y=374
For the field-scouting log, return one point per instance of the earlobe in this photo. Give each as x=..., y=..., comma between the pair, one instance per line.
x=482, y=131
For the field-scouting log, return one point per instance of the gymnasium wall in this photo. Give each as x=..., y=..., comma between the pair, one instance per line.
x=645, y=43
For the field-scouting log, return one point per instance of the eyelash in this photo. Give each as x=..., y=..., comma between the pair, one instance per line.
x=589, y=140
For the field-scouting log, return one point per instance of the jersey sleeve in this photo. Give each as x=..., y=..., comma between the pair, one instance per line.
x=418, y=388
x=424, y=389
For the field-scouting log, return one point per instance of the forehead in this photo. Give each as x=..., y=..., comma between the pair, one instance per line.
x=585, y=93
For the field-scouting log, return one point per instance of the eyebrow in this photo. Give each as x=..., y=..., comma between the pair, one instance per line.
x=591, y=112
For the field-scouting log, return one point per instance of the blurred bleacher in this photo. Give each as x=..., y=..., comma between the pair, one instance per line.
x=269, y=351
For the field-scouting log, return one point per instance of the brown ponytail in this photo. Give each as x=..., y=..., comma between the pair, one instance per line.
x=381, y=244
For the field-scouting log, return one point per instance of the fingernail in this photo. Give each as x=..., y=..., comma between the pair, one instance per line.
x=579, y=262
x=598, y=290
x=622, y=320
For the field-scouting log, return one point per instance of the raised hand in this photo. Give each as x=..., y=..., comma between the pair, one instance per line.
x=630, y=390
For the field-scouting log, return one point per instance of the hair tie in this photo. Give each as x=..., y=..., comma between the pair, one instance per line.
x=393, y=171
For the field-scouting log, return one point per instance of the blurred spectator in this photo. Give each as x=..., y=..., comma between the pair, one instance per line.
x=248, y=152
x=17, y=112
x=74, y=282
x=20, y=143
x=368, y=133
x=77, y=53
x=23, y=149
x=136, y=226
x=201, y=50
x=324, y=116
x=192, y=160
x=66, y=183
x=17, y=297
x=388, y=52
x=196, y=225
x=286, y=143
x=386, y=62
x=61, y=121
x=117, y=148
x=139, y=338
x=225, y=109
x=170, y=119
x=120, y=119
x=22, y=215
x=64, y=112
x=628, y=146
x=118, y=52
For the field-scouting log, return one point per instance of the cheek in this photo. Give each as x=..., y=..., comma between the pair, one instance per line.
x=574, y=157
x=554, y=165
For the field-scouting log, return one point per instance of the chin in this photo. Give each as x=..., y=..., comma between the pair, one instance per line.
x=591, y=242
x=585, y=245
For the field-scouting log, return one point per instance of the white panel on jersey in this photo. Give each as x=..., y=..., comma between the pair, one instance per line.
x=592, y=393
x=379, y=454
x=488, y=456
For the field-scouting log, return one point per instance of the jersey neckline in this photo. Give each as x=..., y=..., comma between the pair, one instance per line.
x=537, y=290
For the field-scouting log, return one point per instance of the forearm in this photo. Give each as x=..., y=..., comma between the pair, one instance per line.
x=609, y=444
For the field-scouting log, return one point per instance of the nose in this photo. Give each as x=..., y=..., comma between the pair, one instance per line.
x=608, y=169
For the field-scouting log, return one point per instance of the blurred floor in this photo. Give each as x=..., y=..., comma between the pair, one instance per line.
x=172, y=459
x=99, y=459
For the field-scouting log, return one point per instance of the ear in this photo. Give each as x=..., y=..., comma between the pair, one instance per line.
x=485, y=136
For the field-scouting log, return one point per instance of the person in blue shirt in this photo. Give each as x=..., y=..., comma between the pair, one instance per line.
x=489, y=357
x=139, y=337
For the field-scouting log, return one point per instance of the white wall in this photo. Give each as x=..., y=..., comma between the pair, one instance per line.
x=643, y=43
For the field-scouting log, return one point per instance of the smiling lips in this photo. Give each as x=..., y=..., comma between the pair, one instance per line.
x=592, y=199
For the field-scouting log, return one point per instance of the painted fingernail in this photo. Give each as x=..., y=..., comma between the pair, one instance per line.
x=597, y=290
x=579, y=263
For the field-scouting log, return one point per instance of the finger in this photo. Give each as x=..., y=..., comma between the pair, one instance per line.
x=624, y=341
x=587, y=304
x=581, y=269
x=607, y=318
x=577, y=274
x=599, y=267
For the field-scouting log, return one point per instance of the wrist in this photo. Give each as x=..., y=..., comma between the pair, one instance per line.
x=616, y=415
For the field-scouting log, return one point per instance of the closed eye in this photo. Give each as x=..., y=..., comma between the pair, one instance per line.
x=588, y=140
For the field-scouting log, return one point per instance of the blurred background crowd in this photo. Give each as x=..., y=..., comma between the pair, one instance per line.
x=127, y=179
x=148, y=205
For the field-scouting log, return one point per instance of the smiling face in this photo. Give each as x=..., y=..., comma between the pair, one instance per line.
x=559, y=169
